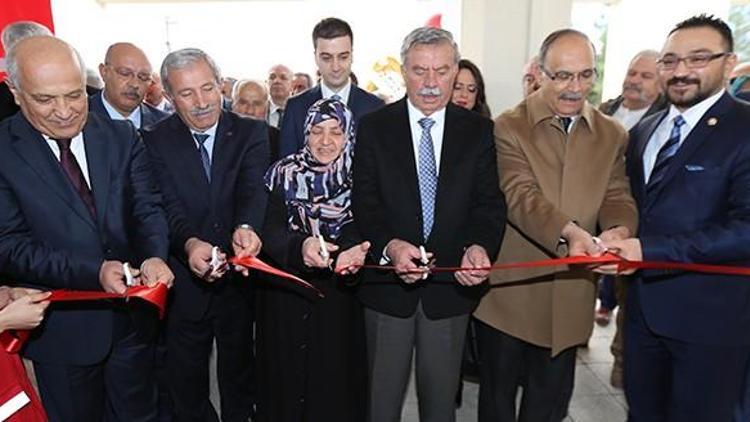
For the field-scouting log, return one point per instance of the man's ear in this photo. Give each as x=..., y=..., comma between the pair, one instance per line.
x=15, y=91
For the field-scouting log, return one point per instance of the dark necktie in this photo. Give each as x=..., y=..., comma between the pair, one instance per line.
x=427, y=176
x=205, y=159
x=69, y=163
x=565, y=122
x=667, y=151
x=280, y=112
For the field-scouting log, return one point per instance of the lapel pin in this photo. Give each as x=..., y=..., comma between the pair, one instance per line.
x=713, y=121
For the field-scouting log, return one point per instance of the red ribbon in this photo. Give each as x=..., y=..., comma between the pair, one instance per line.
x=12, y=340
x=257, y=264
x=606, y=258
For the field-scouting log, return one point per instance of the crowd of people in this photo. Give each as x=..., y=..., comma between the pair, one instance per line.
x=147, y=177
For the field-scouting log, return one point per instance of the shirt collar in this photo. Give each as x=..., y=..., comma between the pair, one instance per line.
x=134, y=117
x=540, y=111
x=211, y=132
x=272, y=107
x=694, y=114
x=343, y=92
x=415, y=114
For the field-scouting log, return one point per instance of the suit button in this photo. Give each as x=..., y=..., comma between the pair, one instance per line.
x=216, y=226
x=108, y=252
x=305, y=316
x=303, y=346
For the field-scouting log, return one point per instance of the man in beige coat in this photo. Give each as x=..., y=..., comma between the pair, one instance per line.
x=562, y=168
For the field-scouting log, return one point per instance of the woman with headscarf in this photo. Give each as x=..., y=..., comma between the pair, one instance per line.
x=311, y=351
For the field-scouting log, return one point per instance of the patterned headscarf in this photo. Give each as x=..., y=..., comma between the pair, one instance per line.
x=317, y=196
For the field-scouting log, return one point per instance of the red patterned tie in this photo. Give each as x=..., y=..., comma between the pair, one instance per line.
x=75, y=175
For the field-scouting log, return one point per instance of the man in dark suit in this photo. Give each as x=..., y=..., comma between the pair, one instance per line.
x=686, y=342
x=424, y=174
x=210, y=167
x=70, y=184
x=127, y=76
x=333, y=40
x=641, y=97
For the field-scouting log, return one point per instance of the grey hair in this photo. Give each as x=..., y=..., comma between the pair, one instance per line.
x=13, y=72
x=427, y=35
x=181, y=59
x=652, y=54
x=237, y=88
x=556, y=35
x=17, y=31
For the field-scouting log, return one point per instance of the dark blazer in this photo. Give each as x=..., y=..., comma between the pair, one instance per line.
x=8, y=106
x=49, y=240
x=469, y=207
x=150, y=115
x=292, y=137
x=610, y=107
x=195, y=208
x=700, y=212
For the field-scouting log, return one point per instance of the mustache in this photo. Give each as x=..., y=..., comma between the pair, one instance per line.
x=430, y=92
x=131, y=92
x=682, y=79
x=634, y=87
x=202, y=111
x=571, y=96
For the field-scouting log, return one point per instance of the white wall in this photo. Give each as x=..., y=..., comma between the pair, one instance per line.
x=247, y=37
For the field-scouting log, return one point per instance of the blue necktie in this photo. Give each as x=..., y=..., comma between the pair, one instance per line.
x=667, y=151
x=427, y=176
x=205, y=159
x=336, y=97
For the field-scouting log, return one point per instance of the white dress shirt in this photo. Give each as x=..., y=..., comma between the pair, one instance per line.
x=78, y=149
x=274, y=119
x=628, y=117
x=436, y=131
x=135, y=116
x=343, y=93
x=210, y=141
x=660, y=136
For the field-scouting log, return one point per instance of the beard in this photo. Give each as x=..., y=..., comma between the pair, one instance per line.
x=686, y=99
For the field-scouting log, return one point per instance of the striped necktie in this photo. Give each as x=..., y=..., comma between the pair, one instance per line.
x=667, y=151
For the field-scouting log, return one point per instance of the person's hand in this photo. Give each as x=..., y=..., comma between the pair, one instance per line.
x=475, y=256
x=311, y=255
x=112, y=277
x=615, y=233
x=155, y=270
x=349, y=261
x=199, y=260
x=402, y=255
x=580, y=242
x=5, y=296
x=25, y=312
x=245, y=242
x=630, y=249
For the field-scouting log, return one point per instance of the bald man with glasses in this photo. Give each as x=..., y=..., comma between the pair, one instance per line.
x=562, y=170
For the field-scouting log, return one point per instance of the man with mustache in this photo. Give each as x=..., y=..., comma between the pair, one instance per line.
x=562, y=170
x=425, y=177
x=126, y=73
x=686, y=342
x=210, y=164
x=641, y=97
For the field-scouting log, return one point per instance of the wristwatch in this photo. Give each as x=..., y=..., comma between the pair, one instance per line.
x=244, y=226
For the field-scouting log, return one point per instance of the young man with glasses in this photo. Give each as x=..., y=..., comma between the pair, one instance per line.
x=126, y=73
x=562, y=170
x=686, y=342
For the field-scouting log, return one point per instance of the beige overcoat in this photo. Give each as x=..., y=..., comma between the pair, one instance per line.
x=550, y=179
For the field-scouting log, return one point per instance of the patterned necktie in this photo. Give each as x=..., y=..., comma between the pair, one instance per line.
x=427, y=176
x=205, y=159
x=69, y=163
x=565, y=122
x=665, y=154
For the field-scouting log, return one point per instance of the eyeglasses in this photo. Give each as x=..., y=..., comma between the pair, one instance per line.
x=564, y=77
x=692, y=61
x=127, y=74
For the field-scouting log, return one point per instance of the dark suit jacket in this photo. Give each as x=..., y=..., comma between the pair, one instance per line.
x=610, y=107
x=700, y=212
x=469, y=207
x=292, y=137
x=150, y=115
x=8, y=106
x=210, y=212
x=49, y=240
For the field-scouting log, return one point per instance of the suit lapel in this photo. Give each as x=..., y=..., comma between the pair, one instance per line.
x=187, y=158
x=97, y=159
x=33, y=149
x=223, y=146
x=403, y=149
x=640, y=148
x=697, y=137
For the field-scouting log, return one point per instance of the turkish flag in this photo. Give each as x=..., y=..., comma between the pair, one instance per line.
x=38, y=11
